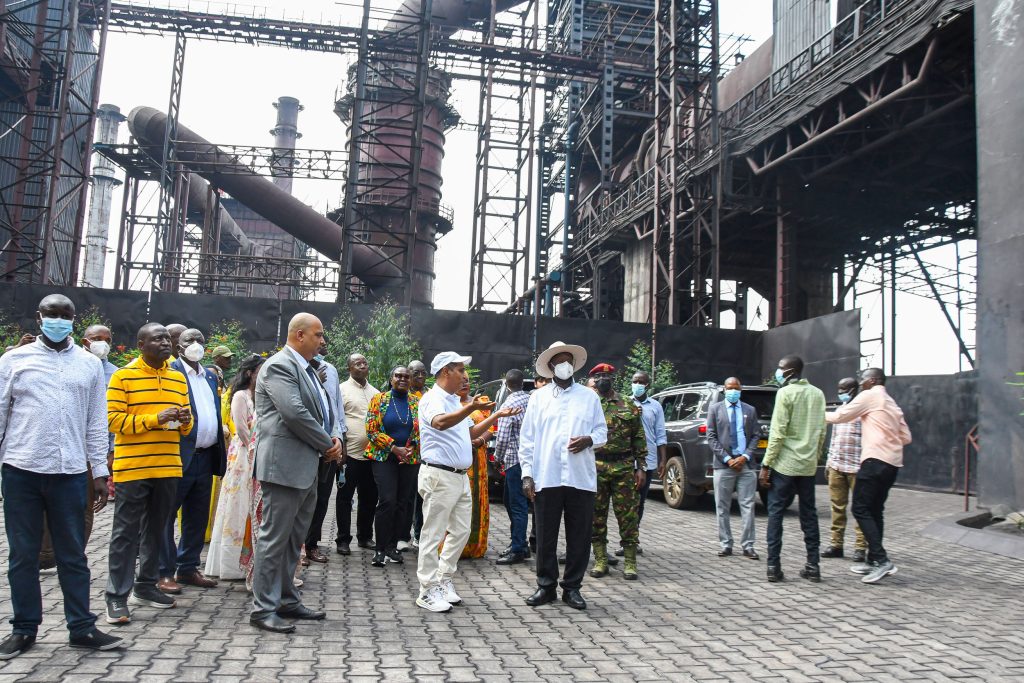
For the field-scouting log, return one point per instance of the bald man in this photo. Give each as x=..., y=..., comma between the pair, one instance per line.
x=294, y=434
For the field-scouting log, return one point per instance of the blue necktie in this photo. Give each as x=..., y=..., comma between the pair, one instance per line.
x=316, y=390
x=740, y=438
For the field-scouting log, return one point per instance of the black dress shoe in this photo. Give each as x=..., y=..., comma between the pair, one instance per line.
x=574, y=599
x=751, y=554
x=542, y=597
x=96, y=640
x=512, y=558
x=775, y=574
x=272, y=623
x=366, y=544
x=301, y=612
x=832, y=551
x=15, y=644
x=860, y=556
x=343, y=549
x=725, y=553
x=811, y=572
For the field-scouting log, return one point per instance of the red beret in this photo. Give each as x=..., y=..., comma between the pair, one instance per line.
x=602, y=367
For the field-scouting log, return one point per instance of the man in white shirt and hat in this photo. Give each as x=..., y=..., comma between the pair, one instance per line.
x=447, y=439
x=562, y=426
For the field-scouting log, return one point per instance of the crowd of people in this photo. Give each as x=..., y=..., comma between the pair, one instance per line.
x=250, y=466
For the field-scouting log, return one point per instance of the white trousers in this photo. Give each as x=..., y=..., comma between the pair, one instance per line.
x=447, y=516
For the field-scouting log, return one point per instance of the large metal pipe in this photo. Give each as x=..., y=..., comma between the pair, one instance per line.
x=108, y=120
x=447, y=16
x=286, y=132
x=262, y=196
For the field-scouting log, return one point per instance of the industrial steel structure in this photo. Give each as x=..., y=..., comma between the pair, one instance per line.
x=620, y=172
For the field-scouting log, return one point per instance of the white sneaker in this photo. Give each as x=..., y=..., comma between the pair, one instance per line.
x=402, y=546
x=880, y=571
x=433, y=600
x=414, y=544
x=862, y=568
x=448, y=591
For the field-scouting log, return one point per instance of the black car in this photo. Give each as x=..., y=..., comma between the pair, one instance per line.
x=688, y=472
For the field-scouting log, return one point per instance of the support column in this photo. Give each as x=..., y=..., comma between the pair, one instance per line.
x=998, y=58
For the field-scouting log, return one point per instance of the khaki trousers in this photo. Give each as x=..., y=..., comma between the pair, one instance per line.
x=447, y=515
x=840, y=491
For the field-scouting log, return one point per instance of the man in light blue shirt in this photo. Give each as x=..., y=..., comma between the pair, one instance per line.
x=653, y=417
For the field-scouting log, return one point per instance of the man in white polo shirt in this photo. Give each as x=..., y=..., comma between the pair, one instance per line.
x=446, y=450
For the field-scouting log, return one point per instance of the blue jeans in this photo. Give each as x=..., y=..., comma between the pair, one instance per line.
x=193, y=498
x=27, y=495
x=644, y=491
x=517, y=507
x=782, y=490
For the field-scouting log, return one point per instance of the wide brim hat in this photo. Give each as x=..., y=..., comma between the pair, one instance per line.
x=579, y=357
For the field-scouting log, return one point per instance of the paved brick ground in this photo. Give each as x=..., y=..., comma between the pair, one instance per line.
x=949, y=613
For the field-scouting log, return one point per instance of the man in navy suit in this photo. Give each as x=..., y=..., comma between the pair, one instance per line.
x=203, y=456
x=733, y=431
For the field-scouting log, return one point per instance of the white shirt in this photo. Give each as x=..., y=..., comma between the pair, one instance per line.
x=324, y=401
x=451, y=447
x=356, y=399
x=553, y=416
x=53, y=410
x=204, y=409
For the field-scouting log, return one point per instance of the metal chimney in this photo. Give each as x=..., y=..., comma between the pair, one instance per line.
x=108, y=120
x=285, y=133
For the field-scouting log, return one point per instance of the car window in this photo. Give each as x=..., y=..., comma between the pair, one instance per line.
x=668, y=404
x=763, y=401
x=688, y=405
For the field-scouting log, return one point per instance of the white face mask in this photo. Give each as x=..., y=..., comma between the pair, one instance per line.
x=194, y=352
x=100, y=349
x=564, y=370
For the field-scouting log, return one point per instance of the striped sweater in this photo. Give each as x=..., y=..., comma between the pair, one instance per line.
x=143, y=448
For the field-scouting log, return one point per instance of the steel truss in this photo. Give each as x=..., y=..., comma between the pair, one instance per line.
x=51, y=68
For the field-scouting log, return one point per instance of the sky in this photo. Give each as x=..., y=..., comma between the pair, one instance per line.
x=228, y=94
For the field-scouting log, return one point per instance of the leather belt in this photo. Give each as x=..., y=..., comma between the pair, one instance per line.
x=446, y=468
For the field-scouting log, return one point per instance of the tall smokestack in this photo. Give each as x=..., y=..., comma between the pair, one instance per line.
x=285, y=133
x=108, y=120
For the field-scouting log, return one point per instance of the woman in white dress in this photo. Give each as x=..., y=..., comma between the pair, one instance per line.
x=235, y=500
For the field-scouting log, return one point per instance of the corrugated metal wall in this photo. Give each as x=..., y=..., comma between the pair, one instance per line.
x=797, y=24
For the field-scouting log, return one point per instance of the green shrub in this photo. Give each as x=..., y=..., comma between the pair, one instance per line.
x=639, y=360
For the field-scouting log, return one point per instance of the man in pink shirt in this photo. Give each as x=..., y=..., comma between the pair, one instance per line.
x=884, y=433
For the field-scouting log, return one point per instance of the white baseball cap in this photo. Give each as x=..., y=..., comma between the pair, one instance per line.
x=446, y=358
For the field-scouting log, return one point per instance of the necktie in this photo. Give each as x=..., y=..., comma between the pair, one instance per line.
x=316, y=391
x=737, y=429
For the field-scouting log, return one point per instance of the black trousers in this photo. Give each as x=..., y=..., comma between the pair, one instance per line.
x=784, y=487
x=874, y=480
x=326, y=474
x=396, y=498
x=577, y=508
x=358, y=477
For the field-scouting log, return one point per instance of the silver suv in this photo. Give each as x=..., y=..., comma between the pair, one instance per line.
x=688, y=472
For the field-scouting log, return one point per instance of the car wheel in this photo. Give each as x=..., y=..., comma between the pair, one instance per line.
x=674, y=485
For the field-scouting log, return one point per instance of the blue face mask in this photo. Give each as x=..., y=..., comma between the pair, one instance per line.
x=56, y=329
x=639, y=390
x=780, y=376
x=318, y=358
x=732, y=395
x=845, y=398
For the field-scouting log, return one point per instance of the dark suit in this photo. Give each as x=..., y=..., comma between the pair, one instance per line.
x=198, y=467
x=290, y=440
x=723, y=442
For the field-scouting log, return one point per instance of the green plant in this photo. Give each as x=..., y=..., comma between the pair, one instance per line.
x=639, y=360
x=386, y=340
x=120, y=354
x=229, y=333
x=10, y=332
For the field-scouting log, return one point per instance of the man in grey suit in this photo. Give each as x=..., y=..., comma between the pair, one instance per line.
x=328, y=375
x=733, y=431
x=293, y=433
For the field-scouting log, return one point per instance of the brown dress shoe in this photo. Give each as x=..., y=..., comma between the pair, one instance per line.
x=168, y=585
x=316, y=555
x=196, y=579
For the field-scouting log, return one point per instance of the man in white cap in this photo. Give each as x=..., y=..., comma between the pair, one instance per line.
x=447, y=438
x=562, y=426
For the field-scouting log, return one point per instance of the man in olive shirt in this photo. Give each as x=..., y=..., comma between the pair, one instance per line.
x=356, y=393
x=791, y=461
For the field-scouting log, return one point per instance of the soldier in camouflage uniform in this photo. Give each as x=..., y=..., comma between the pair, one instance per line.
x=621, y=468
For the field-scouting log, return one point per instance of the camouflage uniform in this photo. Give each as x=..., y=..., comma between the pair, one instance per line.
x=615, y=480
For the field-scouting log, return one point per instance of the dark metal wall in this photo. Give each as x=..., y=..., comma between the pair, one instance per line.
x=829, y=346
x=999, y=60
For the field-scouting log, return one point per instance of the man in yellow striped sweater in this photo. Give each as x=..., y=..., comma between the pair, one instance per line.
x=148, y=412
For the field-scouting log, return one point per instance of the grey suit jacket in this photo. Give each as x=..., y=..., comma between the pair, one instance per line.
x=290, y=437
x=720, y=435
